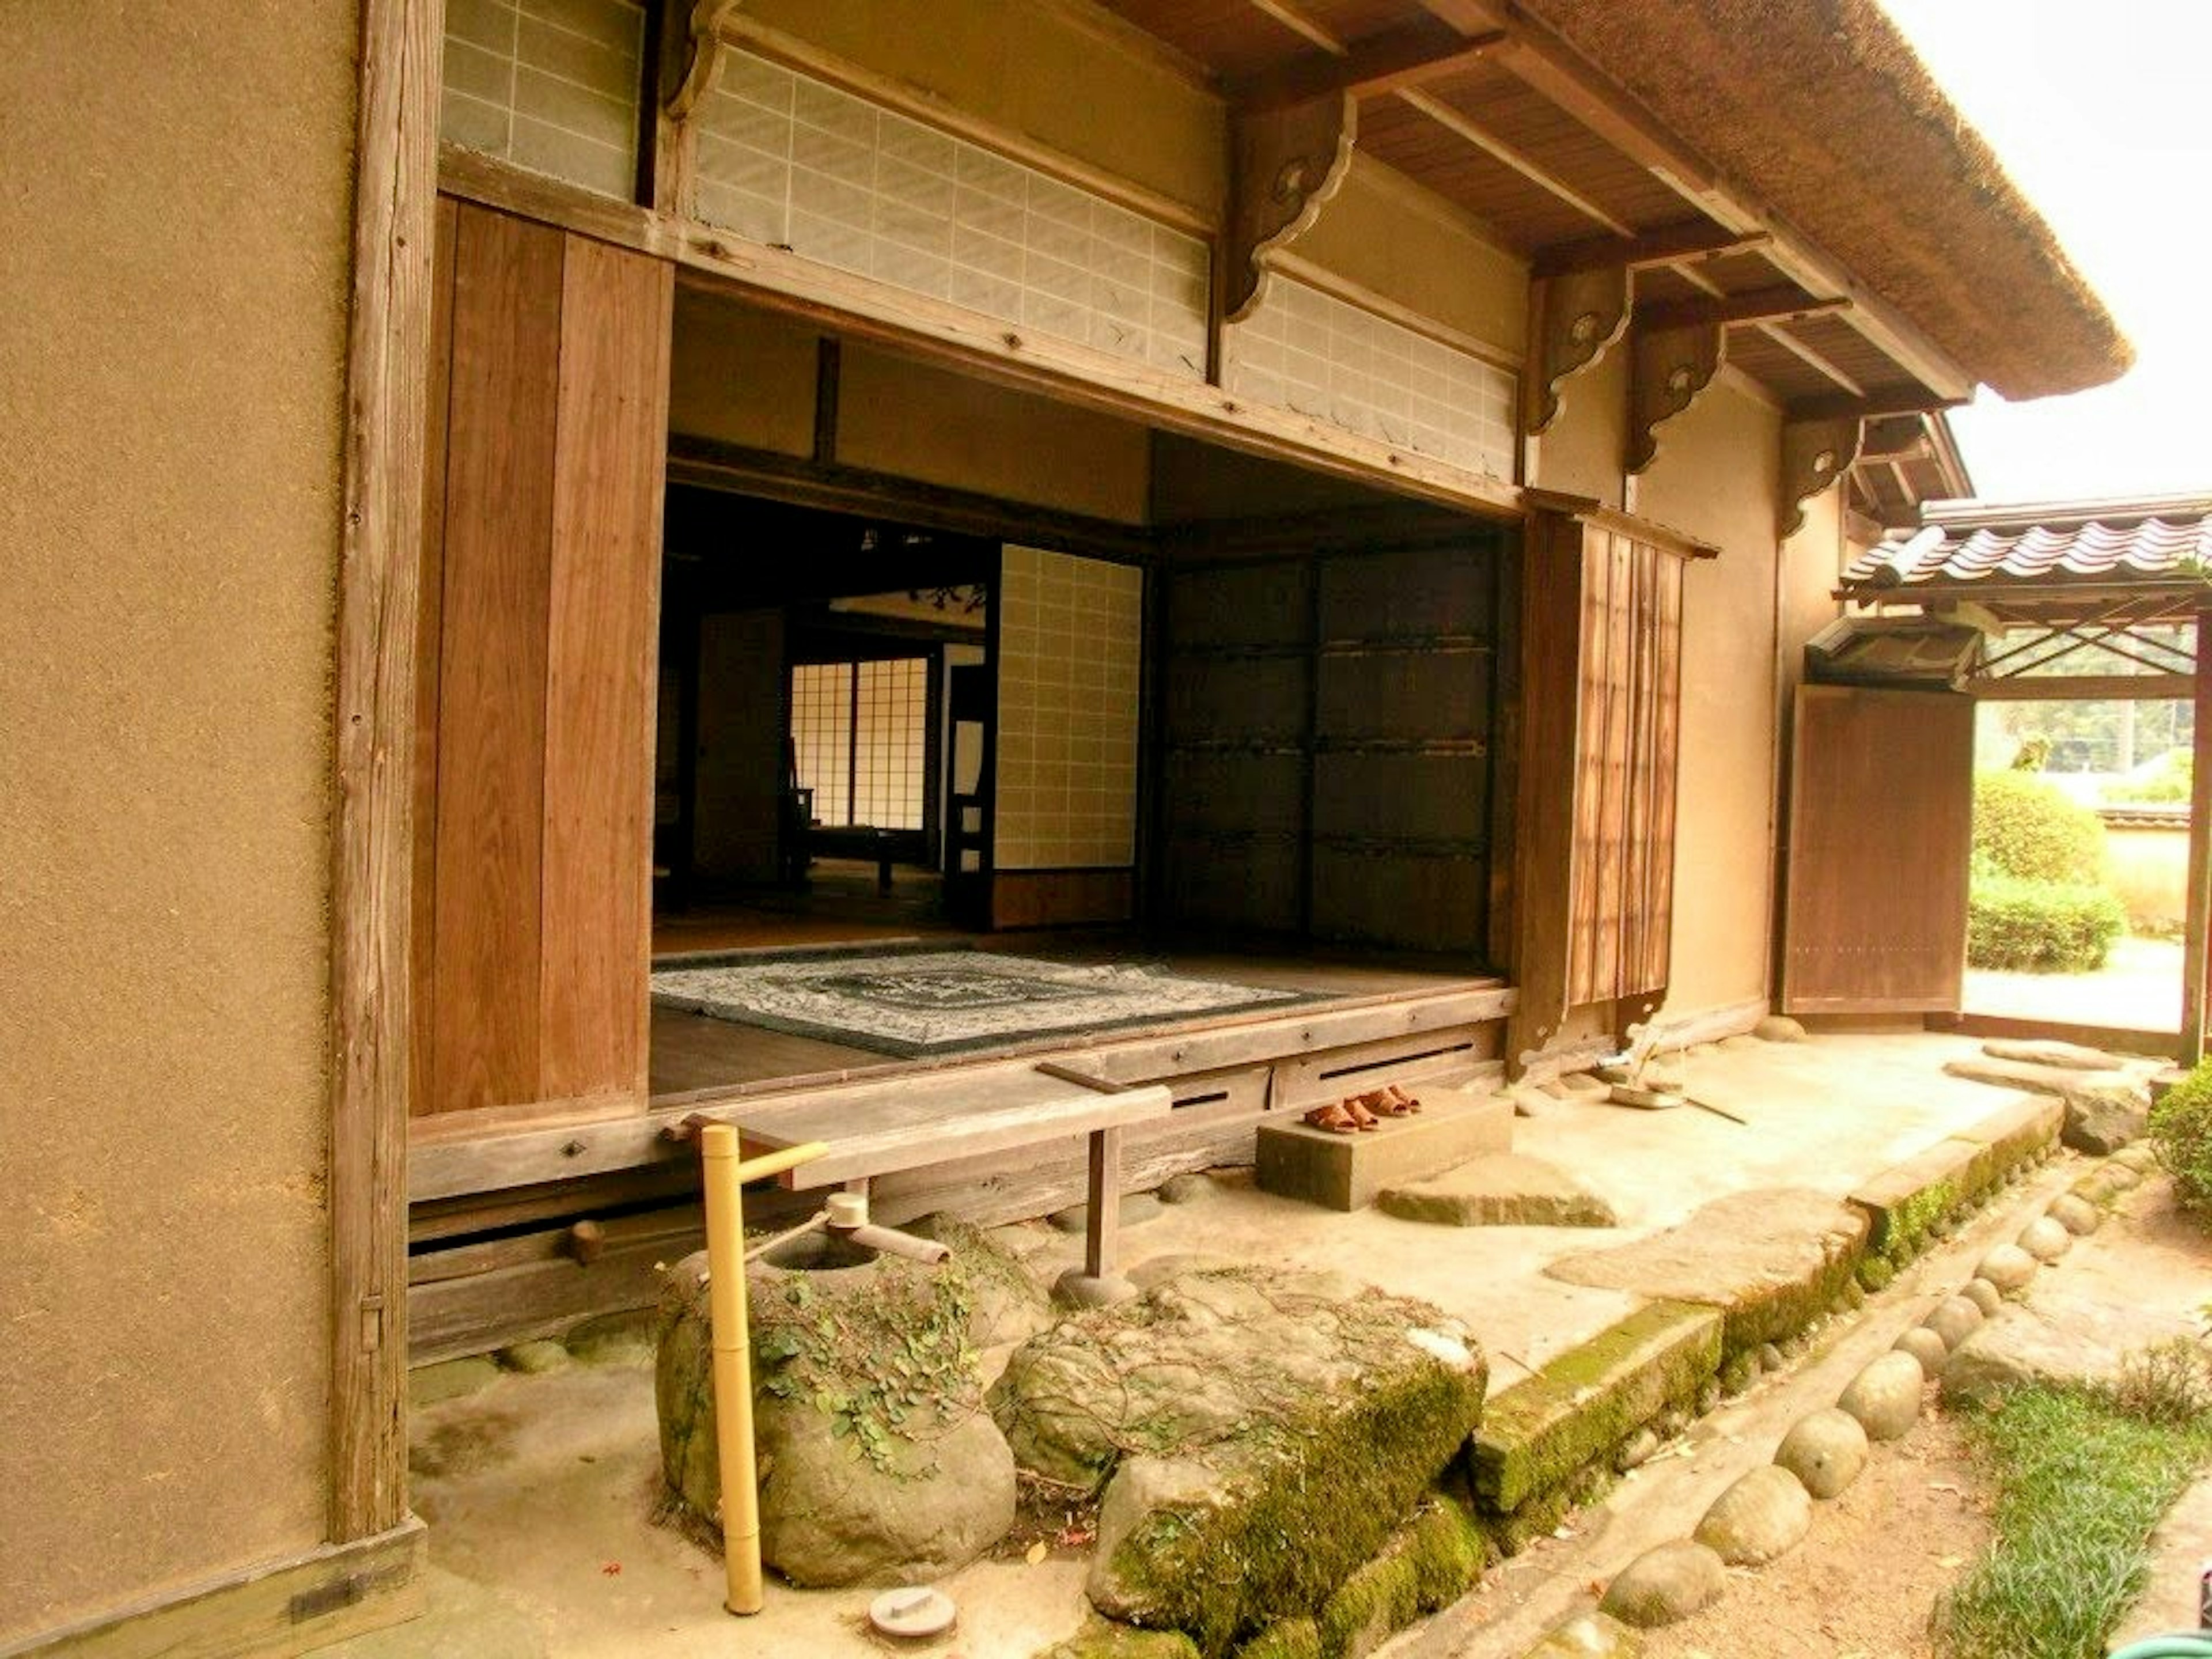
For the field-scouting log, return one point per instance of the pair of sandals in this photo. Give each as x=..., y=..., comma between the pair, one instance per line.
x=1356, y=1112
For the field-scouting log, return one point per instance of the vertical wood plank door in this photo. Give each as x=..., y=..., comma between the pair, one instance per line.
x=1881, y=830
x=544, y=499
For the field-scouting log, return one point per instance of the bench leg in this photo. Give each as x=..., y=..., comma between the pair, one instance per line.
x=1098, y=1285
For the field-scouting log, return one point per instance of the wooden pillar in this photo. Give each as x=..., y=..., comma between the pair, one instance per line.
x=2200, y=855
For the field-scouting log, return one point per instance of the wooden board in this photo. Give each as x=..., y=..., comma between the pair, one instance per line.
x=491, y=703
x=1880, y=825
x=602, y=636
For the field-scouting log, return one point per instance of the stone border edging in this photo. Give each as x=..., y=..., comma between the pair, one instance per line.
x=1748, y=1525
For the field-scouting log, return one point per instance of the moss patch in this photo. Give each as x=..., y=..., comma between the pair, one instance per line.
x=1103, y=1639
x=1312, y=1501
x=1588, y=1399
x=1378, y=1598
x=1448, y=1552
x=1289, y=1638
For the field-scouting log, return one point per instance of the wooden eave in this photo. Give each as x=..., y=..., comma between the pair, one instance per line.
x=1479, y=103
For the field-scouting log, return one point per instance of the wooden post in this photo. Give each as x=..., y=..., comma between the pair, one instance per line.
x=2200, y=855
x=371, y=853
x=1102, y=1236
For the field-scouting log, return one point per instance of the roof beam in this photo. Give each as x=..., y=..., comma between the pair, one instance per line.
x=1547, y=64
x=1776, y=332
x=1388, y=62
x=1757, y=305
x=1673, y=245
x=1466, y=127
x=1882, y=400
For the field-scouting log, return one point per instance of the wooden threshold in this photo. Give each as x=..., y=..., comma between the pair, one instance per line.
x=457, y=1163
x=2124, y=1039
x=330, y=1593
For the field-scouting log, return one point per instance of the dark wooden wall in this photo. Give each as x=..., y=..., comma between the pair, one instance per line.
x=1327, y=746
x=535, y=715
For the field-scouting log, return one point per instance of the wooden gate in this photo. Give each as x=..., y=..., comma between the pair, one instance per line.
x=1880, y=830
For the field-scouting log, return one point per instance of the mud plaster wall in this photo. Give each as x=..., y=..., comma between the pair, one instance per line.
x=1812, y=560
x=1580, y=453
x=1013, y=62
x=1387, y=233
x=1716, y=477
x=917, y=422
x=741, y=376
x=177, y=214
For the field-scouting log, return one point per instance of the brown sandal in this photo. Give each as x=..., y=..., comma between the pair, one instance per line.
x=1408, y=1103
x=1382, y=1103
x=1331, y=1117
x=1360, y=1116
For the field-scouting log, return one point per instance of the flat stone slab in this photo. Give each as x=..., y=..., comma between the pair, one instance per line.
x=2104, y=1110
x=2066, y=1056
x=2056, y=1338
x=1968, y=1164
x=1499, y=1190
x=1586, y=1400
x=1345, y=1171
x=1770, y=1258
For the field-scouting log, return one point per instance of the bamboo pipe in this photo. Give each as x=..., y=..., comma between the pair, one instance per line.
x=724, y=1178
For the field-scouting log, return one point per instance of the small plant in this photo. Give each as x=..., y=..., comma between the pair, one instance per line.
x=2028, y=828
x=2040, y=927
x=2164, y=780
x=2170, y=1383
x=2181, y=1135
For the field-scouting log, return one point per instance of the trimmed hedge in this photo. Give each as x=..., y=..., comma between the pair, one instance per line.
x=2181, y=1135
x=2027, y=828
x=2040, y=927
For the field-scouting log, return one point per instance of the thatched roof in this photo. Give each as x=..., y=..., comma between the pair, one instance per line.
x=1825, y=111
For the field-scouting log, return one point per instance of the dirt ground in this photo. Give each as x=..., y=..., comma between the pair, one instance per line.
x=1865, y=1581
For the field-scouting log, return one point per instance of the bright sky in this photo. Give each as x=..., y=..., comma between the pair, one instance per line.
x=2103, y=114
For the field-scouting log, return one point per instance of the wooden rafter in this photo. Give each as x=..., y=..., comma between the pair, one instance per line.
x=1882, y=400
x=1674, y=245
x=1813, y=360
x=1388, y=62
x=1732, y=310
x=1459, y=122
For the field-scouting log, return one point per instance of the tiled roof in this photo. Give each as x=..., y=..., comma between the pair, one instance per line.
x=2108, y=544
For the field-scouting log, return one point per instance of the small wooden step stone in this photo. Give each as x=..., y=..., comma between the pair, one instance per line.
x=1345, y=1171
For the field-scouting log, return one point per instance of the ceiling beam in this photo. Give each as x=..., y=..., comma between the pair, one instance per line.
x=1466, y=127
x=1780, y=335
x=1388, y=62
x=1673, y=245
x=1757, y=305
x=1292, y=18
x=1544, y=62
x=1882, y=400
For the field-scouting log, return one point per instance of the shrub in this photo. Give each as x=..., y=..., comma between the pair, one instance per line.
x=2026, y=827
x=2181, y=1135
x=2040, y=927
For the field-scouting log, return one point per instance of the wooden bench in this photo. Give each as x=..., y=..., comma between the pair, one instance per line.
x=918, y=1121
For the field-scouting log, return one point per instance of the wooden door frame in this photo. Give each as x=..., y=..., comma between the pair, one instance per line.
x=371, y=833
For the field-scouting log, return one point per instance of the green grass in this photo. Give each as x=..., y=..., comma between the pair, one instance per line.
x=2081, y=1478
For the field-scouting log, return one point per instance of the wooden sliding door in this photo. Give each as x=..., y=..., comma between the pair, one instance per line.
x=1601, y=670
x=537, y=665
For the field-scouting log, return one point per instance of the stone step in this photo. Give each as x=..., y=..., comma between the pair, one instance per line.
x=1345, y=1171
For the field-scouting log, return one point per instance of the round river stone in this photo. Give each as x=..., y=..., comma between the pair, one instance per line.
x=1825, y=1451
x=1885, y=1397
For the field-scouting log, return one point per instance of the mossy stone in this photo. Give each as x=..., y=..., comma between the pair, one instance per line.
x=1101, y=1638
x=1588, y=1399
x=1286, y=1638
x=1380, y=1599
x=1448, y=1552
x=1876, y=1272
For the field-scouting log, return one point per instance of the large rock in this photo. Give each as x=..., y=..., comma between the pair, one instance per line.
x=1763, y=1515
x=1666, y=1585
x=1885, y=1397
x=2056, y=1338
x=877, y=1461
x=1499, y=1190
x=1825, y=1451
x=2105, y=1110
x=1288, y=1422
x=1772, y=1259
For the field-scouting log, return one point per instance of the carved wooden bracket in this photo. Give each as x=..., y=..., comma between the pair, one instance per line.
x=1282, y=165
x=1667, y=369
x=1584, y=313
x=1814, y=454
x=702, y=55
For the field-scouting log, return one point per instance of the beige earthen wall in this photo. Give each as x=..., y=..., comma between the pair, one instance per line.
x=1013, y=62
x=1580, y=453
x=176, y=217
x=1716, y=477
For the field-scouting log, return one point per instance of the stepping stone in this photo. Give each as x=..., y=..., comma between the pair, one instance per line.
x=2058, y=1337
x=2066, y=1056
x=1345, y=1171
x=1501, y=1190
